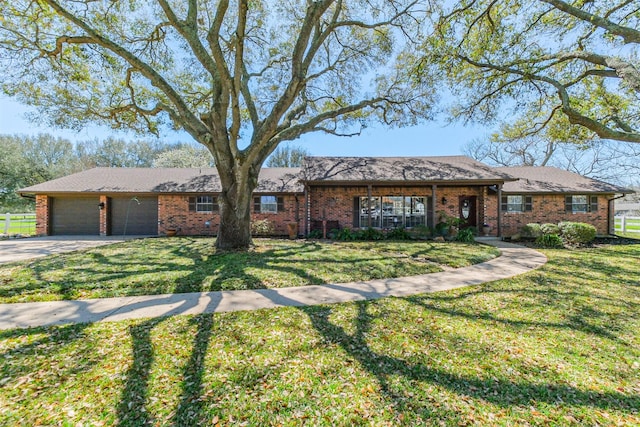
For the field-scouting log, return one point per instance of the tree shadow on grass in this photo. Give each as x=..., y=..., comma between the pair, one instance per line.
x=191, y=405
x=501, y=392
x=582, y=321
x=131, y=409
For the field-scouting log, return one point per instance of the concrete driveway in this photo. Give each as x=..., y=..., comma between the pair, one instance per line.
x=34, y=247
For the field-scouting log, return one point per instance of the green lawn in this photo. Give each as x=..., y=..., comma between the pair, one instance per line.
x=559, y=346
x=172, y=265
x=19, y=224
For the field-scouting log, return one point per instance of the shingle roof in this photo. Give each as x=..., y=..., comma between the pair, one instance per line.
x=163, y=180
x=546, y=179
x=398, y=169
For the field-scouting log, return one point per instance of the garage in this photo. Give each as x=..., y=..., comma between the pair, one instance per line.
x=75, y=216
x=134, y=216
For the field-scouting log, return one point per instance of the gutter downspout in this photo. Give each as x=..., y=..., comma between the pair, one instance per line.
x=307, y=211
x=369, y=191
x=499, y=210
x=434, y=200
x=611, y=222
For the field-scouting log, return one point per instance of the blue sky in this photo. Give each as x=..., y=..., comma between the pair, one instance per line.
x=430, y=139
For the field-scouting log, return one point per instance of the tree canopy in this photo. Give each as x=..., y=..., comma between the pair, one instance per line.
x=184, y=156
x=545, y=62
x=239, y=76
x=611, y=161
x=287, y=156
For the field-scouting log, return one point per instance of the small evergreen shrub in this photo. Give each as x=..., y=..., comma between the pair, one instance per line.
x=370, y=234
x=549, y=241
x=262, y=227
x=344, y=234
x=550, y=229
x=577, y=233
x=398, y=234
x=532, y=230
x=466, y=236
x=442, y=229
x=421, y=232
x=315, y=234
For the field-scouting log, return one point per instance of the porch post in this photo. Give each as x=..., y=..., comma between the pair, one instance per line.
x=499, y=210
x=434, y=200
x=307, y=210
x=369, y=190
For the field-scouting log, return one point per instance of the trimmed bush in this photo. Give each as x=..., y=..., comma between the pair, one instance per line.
x=315, y=234
x=532, y=230
x=344, y=234
x=550, y=229
x=370, y=234
x=465, y=236
x=549, y=241
x=577, y=233
x=398, y=234
x=421, y=232
x=262, y=227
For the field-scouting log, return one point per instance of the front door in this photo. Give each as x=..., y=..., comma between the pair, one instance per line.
x=467, y=211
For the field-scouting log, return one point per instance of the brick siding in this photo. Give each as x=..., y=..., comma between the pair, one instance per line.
x=549, y=208
x=173, y=213
x=43, y=204
x=335, y=203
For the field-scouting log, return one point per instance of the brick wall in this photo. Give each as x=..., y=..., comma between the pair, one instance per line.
x=549, y=208
x=173, y=212
x=336, y=204
x=104, y=216
x=333, y=203
x=42, y=214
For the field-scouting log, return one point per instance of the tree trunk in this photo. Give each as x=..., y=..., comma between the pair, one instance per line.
x=235, y=229
x=234, y=233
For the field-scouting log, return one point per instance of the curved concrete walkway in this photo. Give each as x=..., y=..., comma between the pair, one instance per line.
x=514, y=260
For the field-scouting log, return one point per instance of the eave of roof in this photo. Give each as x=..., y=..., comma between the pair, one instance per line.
x=399, y=170
x=551, y=180
x=162, y=181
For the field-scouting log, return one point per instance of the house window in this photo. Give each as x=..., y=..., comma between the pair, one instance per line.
x=268, y=204
x=517, y=203
x=390, y=211
x=206, y=203
x=363, y=207
x=415, y=210
x=580, y=203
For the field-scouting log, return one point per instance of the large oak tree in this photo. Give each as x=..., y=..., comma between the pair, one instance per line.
x=240, y=76
x=543, y=62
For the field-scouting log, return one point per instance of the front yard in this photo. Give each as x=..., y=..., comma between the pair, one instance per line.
x=173, y=265
x=557, y=346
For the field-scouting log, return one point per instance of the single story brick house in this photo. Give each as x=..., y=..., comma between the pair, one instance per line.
x=330, y=192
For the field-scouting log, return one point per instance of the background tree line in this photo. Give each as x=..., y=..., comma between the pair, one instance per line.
x=30, y=160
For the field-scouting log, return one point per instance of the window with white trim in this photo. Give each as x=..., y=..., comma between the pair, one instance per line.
x=268, y=204
x=204, y=203
x=516, y=203
x=580, y=203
